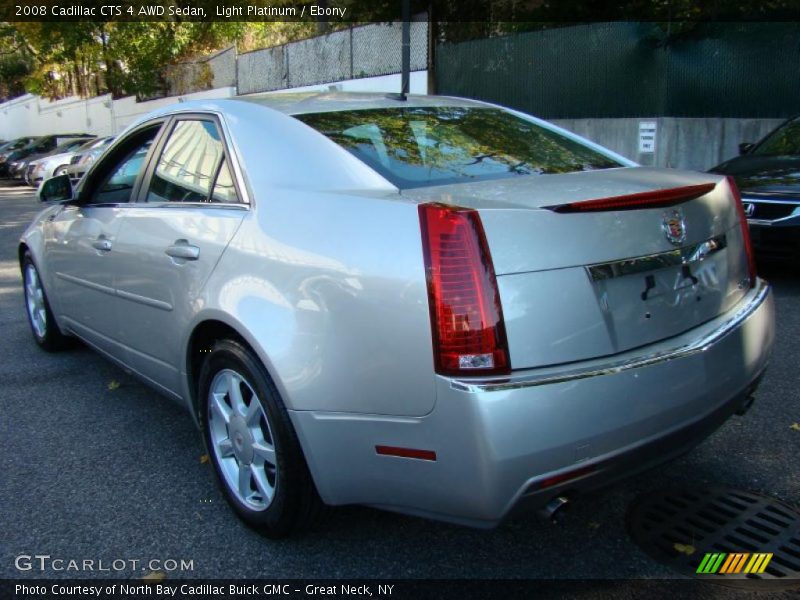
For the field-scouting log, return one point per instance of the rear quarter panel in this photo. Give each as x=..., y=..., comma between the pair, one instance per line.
x=330, y=290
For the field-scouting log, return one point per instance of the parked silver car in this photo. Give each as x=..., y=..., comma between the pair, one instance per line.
x=434, y=306
x=82, y=159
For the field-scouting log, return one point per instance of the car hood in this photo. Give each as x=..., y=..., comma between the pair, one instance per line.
x=53, y=157
x=777, y=175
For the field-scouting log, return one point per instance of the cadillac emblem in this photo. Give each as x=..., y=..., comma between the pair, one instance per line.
x=674, y=226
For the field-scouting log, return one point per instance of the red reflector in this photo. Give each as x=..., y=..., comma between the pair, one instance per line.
x=469, y=335
x=568, y=476
x=654, y=199
x=406, y=452
x=748, y=246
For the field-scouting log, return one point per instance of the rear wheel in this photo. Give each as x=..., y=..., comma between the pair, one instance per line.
x=252, y=444
x=40, y=317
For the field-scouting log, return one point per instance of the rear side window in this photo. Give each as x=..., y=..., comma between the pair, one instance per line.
x=192, y=167
x=421, y=146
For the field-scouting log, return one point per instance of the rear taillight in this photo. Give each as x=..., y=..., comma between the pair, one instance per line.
x=748, y=246
x=469, y=335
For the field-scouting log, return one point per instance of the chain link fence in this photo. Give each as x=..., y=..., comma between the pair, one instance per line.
x=209, y=72
x=353, y=53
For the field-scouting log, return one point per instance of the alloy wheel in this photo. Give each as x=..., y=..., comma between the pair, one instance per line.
x=242, y=440
x=34, y=301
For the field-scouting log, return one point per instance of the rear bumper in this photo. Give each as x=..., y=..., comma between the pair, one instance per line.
x=504, y=443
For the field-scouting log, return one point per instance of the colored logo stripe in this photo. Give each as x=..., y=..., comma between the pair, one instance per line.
x=758, y=563
x=727, y=564
x=711, y=563
x=734, y=563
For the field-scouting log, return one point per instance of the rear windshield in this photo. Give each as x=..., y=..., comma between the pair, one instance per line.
x=421, y=146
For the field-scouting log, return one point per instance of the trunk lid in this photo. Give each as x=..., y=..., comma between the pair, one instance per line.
x=582, y=285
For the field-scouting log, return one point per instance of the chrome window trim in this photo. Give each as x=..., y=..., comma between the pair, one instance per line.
x=754, y=300
x=179, y=205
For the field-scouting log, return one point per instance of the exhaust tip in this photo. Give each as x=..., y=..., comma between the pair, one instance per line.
x=553, y=510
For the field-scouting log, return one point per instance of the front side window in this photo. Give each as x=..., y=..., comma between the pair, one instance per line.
x=119, y=178
x=192, y=167
x=421, y=146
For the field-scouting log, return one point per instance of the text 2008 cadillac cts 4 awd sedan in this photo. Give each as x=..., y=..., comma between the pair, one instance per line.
x=434, y=306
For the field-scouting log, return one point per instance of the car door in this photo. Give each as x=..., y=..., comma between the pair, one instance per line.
x=171, y=238
x=80, y=241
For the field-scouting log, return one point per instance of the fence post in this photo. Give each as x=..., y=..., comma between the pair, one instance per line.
x=405, y=76
x=236, y=67
x=431, y=62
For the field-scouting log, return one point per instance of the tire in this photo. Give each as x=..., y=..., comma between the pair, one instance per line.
x=62, y=170
x=254, y=450
x=40, y=318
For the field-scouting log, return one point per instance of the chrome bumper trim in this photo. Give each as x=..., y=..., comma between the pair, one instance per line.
x=756, y=299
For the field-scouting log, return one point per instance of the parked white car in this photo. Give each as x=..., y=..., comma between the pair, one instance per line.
x=52, y=164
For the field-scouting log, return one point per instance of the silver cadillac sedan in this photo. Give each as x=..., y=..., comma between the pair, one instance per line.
x=430, y=305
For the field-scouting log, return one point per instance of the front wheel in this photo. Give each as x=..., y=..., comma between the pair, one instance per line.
x=62, y=170
x=40, y=317
x=252, y=444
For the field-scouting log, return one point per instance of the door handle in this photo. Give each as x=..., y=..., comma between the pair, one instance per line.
x=183, y=249
x=102, y=243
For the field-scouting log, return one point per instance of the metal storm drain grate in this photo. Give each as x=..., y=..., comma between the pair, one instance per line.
x=722, y=535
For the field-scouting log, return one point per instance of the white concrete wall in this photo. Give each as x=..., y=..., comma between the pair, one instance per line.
x=127, y=110
x=417, y=84
x=681, y=143
x=32, y=115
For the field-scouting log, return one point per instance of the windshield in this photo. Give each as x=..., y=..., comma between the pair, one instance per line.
x=784, y=141
x=421, y=146
x=39, y=144
x=17, y=144
x=69, y=145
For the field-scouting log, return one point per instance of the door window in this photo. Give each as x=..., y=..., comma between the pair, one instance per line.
x=192, y=166
x=119, y=173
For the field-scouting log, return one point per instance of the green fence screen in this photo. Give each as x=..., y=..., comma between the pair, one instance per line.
x=627, y=69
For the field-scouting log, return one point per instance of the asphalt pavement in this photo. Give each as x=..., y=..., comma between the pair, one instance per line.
x=96, y=466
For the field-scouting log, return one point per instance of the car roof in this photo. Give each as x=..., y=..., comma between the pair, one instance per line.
x=297, y=103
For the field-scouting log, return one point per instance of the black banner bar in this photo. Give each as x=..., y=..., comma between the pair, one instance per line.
x=398, y=589
x=366, y=11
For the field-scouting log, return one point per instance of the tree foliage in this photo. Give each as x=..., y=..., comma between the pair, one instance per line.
x=86, y=58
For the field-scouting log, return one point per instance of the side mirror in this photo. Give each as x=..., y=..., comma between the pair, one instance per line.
x=56, y=189
x=745, y=147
